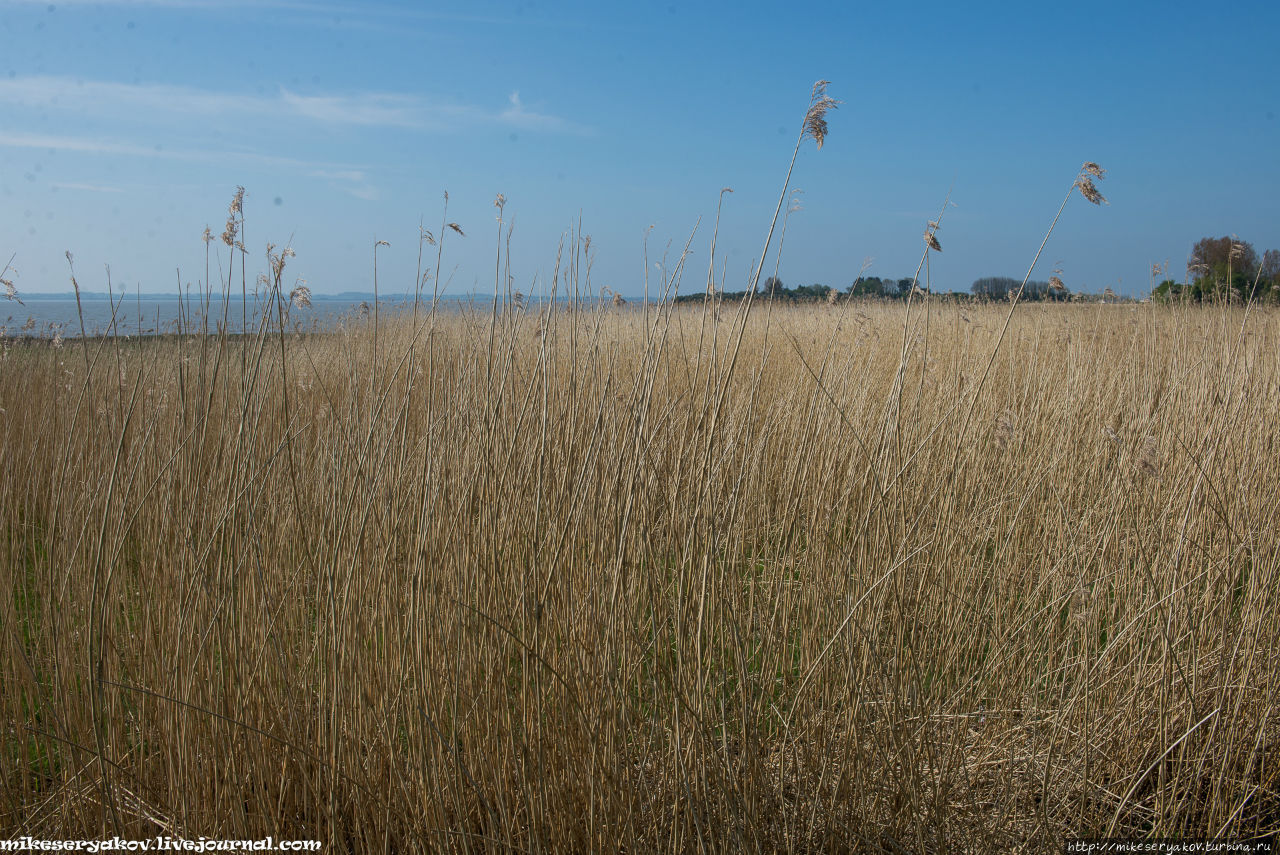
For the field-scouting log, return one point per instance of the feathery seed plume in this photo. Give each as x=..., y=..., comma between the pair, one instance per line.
x=300, y=296
x=1089, y=191
x=235, y=208
x=10, y=290
x=1084, y=181
x=815, y=120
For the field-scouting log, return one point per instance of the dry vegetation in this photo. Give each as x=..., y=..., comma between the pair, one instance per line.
x=590, y=577
x=575, y=579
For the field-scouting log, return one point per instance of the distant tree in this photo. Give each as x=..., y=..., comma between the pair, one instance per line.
x=994, y=287
x=772, y=286
x=1004, y=287
x=1271, y=266
x=808, y=292
x=904, y=286
x=871, y=286
x=1229, y=268
x=1269, y=281
x=1216, y=261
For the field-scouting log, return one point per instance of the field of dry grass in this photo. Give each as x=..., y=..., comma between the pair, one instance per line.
x=603, y=578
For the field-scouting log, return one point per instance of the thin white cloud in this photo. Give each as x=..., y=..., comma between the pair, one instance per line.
x=52, y=92
x=353, y=181
x=60, y=143
x=519, y=116
x=52, y=142
x=340, y=174
x=372, y=109
x=349, y=179
x=90, y=188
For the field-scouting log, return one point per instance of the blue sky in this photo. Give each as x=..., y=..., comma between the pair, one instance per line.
x=126, y=126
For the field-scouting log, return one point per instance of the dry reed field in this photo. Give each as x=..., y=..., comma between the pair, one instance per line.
x=584, y=578
x=575, y=576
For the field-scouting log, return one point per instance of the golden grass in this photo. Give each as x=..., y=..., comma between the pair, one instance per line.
x=565, y=580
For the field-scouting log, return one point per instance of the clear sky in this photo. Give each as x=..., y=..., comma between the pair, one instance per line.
x=126, y=126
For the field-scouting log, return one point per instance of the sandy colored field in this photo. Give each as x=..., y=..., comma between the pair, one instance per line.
x=602, y=579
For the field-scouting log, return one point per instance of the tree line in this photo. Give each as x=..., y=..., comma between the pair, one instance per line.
x=1225, y=268
x=988, y=288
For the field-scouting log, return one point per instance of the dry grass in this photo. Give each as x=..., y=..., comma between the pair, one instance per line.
x=565, y=580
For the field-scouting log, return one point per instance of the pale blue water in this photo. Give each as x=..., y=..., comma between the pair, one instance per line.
x=156, y=314
x=48, y=316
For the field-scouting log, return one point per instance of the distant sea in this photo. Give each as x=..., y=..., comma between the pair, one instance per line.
x=47, y=316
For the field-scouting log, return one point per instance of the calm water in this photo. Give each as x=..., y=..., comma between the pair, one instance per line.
x=152, y=315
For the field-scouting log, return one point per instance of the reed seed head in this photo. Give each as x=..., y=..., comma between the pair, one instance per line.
x=931, y=241
x=10, y=290
x=815, y=120
x=1089, y=191
x=234, y=210
x=1093, y=169
x=457, y=228
x=300, y=296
